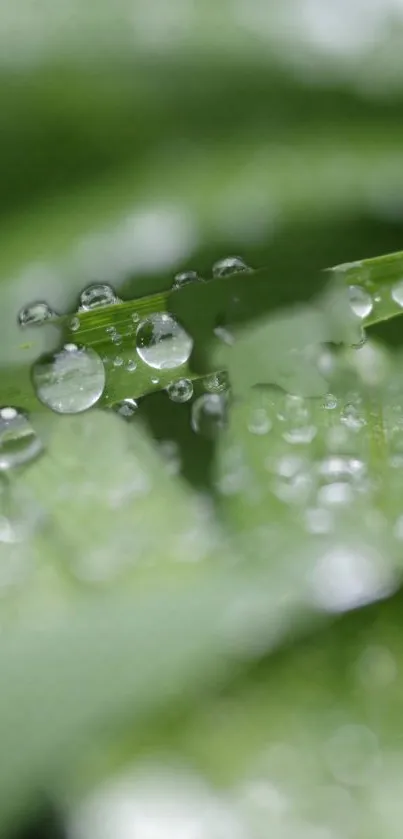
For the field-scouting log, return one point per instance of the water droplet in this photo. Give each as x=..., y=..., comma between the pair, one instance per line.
x=397, y=293
x=97, y=295
x=360, y=301
x=135, y=317
x=126, y=408
x=330, y=402
x=338, y=492
x=185, y=278
x=216, y=382
x=18, y=442
x=110, y=330
x=301, y=434
x=162, y=343
x=35, y=314
x=74, y=324
x=155, y=380
x=69, y=381
x=209, y=414
x=118, y=361
x=180, y=391
x=259, y=423
x=229, y=265
x=352, y=418
x=131, y=365
x=116, y=338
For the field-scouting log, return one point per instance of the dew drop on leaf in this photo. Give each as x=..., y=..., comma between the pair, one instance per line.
x=180, y=391
x=185, y=278
x=126, y=408
x=97, y=295
x=19, y=443
x=35, y=314
x=259, y=423
x=216, y=382
x=360, y=301
x=209, y=414
x=131, y=365
x=397, y=293
x=74, y=324
x=69, y=381
x=162, y=343
x=229, y=265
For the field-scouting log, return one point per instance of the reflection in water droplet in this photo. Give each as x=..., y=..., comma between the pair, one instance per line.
x=209, y=414
x=360, y=301
x=259, y=423
x=216, y=382
x=126, y=408
x=185, y=278
x=180, y=391
x=97, y=295
x=18, y=442
x=69, y=381
x=229, y=265
x=397, y=293
x=74, y=324
x=162, y=343
x=35, y=314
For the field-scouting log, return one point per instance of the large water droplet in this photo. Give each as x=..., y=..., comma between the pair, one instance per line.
x=185, y=278
x=162, y=343
x=97, y=295
x=69, y=381
x=18, y=442
x=209, y=414
x=229, y=265
x=360, y=301
x=397, y=293
x=180, y=391
x=35, y=314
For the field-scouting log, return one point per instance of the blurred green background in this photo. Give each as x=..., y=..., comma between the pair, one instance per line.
x=138, y=139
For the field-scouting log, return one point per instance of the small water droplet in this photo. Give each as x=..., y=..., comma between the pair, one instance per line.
x=35, y=314
x=330, y=402
x=110, y=330
x=351, y=417
x=259, y=423
x=209, y=414
x=116, y=338
x=74, y=324
x=126, y=408
x=397, y=293
x=19, y=443
x=360, y=301
x=135, y=317
x=180, y=391
x=69, y=381
x=131, y=365
x=118, y=361
x=229, y=265
x=216, y=382
x=337, y=492
x=97, y=295
x=162, y=343
x=185, y=278
x=155, y=380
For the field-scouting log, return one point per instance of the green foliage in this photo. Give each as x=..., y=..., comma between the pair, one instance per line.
x=229, y=605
